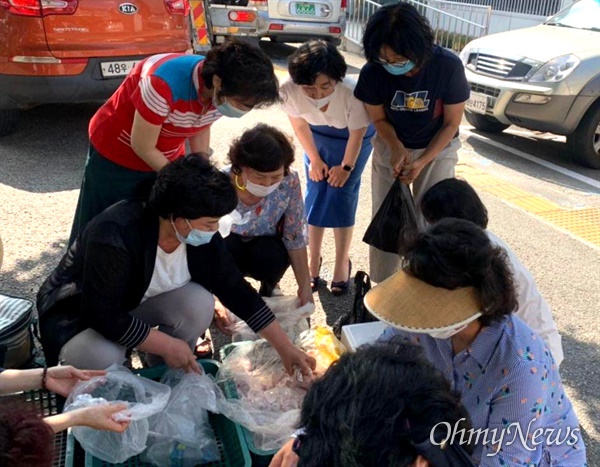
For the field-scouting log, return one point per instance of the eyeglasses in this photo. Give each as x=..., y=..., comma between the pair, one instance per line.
x=381, y=61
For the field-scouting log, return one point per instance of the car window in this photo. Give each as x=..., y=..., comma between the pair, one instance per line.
x=584, y=14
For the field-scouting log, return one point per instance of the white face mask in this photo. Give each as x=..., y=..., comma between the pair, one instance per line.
x=448, y=333
x=319, y=103
x=260, y=190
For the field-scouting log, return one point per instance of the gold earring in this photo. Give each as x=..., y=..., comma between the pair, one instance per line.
x=237, y=184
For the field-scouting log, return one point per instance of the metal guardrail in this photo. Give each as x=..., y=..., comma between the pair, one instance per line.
x=529, y=7
x=454, y=23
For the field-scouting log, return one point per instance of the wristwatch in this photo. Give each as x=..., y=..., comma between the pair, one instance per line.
x=348, y=167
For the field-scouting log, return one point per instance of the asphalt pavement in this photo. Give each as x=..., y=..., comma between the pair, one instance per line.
x=41, y=167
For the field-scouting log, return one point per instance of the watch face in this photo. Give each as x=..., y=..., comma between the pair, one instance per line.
x=347, y=168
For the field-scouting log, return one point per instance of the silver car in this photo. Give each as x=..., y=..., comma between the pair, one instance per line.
x=279, y=20
x=544, y=78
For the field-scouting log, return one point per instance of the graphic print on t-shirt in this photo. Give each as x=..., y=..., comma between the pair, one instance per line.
x=413, y=101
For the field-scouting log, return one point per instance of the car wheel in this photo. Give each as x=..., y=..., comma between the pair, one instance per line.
x=485, y=123
x=584, y=142
x=8, y=121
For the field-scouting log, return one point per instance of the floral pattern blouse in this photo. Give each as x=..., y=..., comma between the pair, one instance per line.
x=507, y=377
x=280, y=213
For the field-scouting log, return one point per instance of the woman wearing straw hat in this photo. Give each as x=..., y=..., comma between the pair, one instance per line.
x=455, y=297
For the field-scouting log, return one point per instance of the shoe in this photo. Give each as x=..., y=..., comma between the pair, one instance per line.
x=204, y=347
x=342, y=287
x=315, y=282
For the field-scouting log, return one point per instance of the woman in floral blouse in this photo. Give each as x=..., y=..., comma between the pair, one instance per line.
x=273, y=233
x=455, y=297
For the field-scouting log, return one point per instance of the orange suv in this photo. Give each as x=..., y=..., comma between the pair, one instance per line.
x=71, y=51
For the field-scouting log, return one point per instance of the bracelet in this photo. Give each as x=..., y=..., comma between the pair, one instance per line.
x=44, y=377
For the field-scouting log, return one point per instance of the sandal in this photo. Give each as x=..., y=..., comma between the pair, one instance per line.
x=315, y=282
x=342, y=287
x=204, y=347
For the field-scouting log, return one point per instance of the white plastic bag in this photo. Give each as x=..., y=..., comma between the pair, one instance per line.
x=229, y=220
x=143, y=397
x=290, y=315
x=181, y=435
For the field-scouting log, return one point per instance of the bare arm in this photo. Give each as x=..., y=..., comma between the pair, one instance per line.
x=20, y=380
x=99, y=417
x=399, y=155
x=291, y=356
x=144, y=136
x=337, y=175
x=318, y=169
x=200, y=142
x=452, y=117
x=299, y=261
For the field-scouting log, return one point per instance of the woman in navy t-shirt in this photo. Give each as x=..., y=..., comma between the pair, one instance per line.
x=415, y=93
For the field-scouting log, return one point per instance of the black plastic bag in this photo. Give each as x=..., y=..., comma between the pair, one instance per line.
x=395, y=225
x=359, y=312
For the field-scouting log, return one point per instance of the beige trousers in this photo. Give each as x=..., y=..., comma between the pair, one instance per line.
x=381, y=264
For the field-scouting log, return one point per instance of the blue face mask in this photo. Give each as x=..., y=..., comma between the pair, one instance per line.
x=228, y=110
x=195, y=237
x=398, y=70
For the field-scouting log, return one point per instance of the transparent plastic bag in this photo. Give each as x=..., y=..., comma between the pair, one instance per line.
x=321, y=344
x=143, y=397
x=269, y=399
x=290, y=315
x=229, y=220
x=181, y=435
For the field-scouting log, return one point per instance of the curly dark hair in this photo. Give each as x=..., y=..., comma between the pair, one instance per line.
x=25, y=439
x=456, y=253
x=454, y=198
x=246, y=73
x=313, y=58
x=263, y=148
x=372, y=406
x=402, y=28
x=191, y=187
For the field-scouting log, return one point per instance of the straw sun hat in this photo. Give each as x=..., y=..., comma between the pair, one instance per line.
x=410, y=304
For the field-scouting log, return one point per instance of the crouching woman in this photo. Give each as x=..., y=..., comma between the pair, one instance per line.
x=142, y=276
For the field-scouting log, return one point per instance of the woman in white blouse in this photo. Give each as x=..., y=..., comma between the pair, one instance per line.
x=334, y=130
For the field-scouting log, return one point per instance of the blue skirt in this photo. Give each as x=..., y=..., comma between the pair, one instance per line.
x=335, y=207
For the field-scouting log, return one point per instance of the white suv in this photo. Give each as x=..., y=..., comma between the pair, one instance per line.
x=544, y=78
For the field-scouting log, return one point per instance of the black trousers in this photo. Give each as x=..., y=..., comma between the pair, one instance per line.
x=264, y=259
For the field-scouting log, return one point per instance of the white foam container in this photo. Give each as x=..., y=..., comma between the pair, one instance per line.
x=355, y=335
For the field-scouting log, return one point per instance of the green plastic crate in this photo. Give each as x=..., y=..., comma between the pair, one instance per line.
x=229, y=436
x=260, y=458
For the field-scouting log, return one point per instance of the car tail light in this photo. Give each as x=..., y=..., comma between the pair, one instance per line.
x=335, y=30
x=242, y=16
x=276, y=27
x=258, y=3
x=40, y=7
x=344, y=5
x=178, y=7
x=46, y=60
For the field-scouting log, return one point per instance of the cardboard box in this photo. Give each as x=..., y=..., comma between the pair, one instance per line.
x=355, y=335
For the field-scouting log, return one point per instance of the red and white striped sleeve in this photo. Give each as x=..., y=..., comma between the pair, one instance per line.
x=153, y=99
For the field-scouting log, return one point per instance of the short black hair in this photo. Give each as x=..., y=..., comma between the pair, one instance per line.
x=246, y=72
x=313, y=58
x=373, y=405
x=454, y=198
x=402, y=28
x=191, y=187
x=457, y=253
x=263, y=148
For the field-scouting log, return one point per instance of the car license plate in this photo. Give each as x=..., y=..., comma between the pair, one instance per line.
x=305, y=9
x=477, y=103
x=112, y=69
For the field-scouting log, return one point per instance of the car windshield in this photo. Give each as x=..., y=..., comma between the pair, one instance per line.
x=584, y=14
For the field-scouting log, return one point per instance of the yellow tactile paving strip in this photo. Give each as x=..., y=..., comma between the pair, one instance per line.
x=581, y=223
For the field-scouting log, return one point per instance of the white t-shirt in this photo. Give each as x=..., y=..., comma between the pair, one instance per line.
x=170, y=272
x=533, y=309
x=344, y=110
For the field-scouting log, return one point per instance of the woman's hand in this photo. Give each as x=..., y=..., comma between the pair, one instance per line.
x=411, y=171
x=318, y=170
x=292, y=357
x=305, y=294
x=100, y=417
x=338, y=176
x=285, y=457
x=178, y=354
x=61, y=379
x=222, y=321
